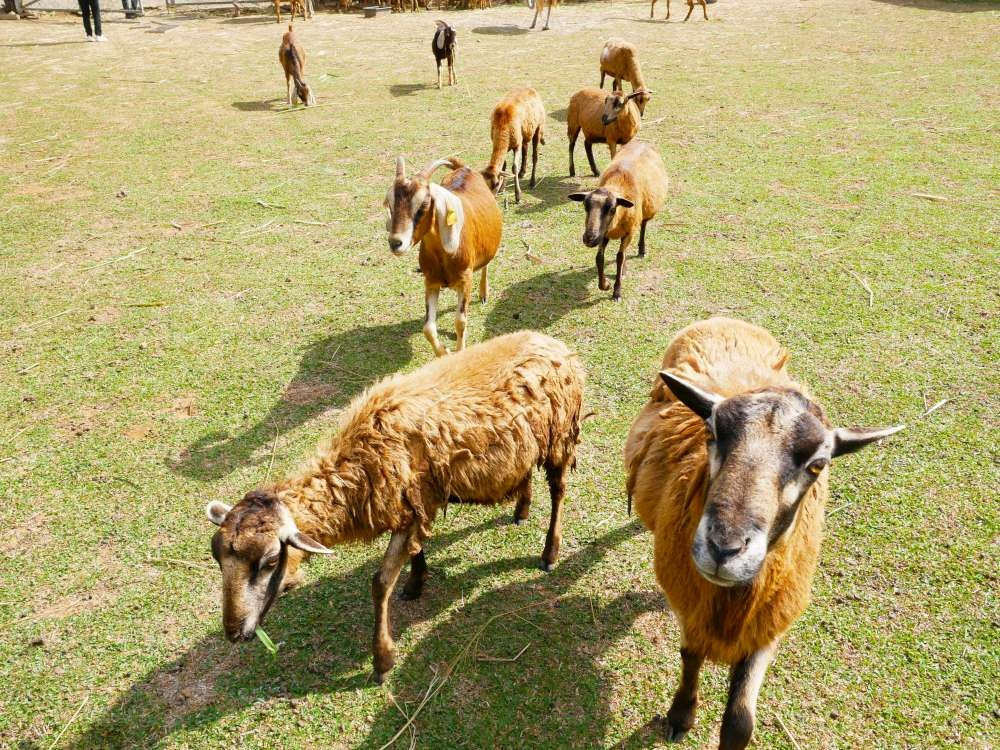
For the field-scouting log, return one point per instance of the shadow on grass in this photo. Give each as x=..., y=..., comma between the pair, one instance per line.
x=409, y=89
x=947, y=6
x=44, y=44
x=540, y=301
x=551, y=192
x=266, y=105
x=332, y=371
x=324, y=632
x=260, y=18
x=559, y=114
x=505, y=30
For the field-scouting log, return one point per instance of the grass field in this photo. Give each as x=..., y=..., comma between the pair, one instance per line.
x=195, y=282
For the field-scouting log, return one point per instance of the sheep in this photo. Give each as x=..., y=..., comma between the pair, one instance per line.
x=727, y=466
x=538, y=6
x=604, y=118
x=631, y=191
x=443, y=47
x=458, y=225
x=620, y=60
x=467, y=428
x=519, y=118
x=293, y=61
x=294, y=5
x=690, y=3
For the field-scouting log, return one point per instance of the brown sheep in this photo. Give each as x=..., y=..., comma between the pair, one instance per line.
x=467, y=428
x=517, y=120
x=538, y=6
x=704, y=8
x=631, y=191
x=620, y=60
x=293, y=61
x=727, y=465
x=604, y=118
x=458, y=225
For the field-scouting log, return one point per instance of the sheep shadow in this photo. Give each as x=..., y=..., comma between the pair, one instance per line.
x=541, y=301
x=408, y=89
x=505, y=30
x=266, y=105
x=532, y=674
x=331, y=372
x=324, y=634
x=559, y=115
x=551, y=192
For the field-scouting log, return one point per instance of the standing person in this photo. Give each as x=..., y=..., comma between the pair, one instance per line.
x=135, y=5
x=88, y=7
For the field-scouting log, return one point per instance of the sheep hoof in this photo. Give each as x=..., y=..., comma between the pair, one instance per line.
x=616, y=298
x=518, y=521
x=548, y=567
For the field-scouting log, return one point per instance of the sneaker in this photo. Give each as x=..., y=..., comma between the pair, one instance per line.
x=100, y=38
x=90, y=37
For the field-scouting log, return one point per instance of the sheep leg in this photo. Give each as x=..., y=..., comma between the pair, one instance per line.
x=651, y=7
x=288, y=88
x=452, y=76
x=616, y=295
x=523, y=501
x=680, y=717
x=430, y=319
x=572, y=144
x=439, y=74
x=704, y=9
x=603, y=73
x=513, y=171
x=690, y=8
x=557, y=488
x=602, y=282
x=589, y=148
x=745, y=679
x=464, y=297
x=383, y=583
x=534, y=155
x=414, y=585
x=642, y=238
x=668, y=10
x=484, y=287
x=524, y=158
x=547, y=17
x=534, y=20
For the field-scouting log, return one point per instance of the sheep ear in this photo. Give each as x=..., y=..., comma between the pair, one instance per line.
x=848, y=440
x=699, y=401
x=217, y=512
x=579, y=197
x=449, y=215
x=625, y=203
x=307, y=544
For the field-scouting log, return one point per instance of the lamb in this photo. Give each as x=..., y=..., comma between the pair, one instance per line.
x=458, y=225
x=620, y=60
x=443, y=47
x=293, y=61
x=519, y=118
x=727, y=465
x=604, y=118
x=704, y=8
x=468, y=428
x=538, y=6
x=631, y=191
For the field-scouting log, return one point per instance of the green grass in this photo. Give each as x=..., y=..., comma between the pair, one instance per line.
x=145, y=369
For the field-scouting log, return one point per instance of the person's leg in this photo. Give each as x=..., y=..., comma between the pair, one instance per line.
x=85, y=11
x=95, y=8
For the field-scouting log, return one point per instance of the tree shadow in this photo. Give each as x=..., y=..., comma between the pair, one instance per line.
x=266, y=105
x=540, y=301
x=323, y=630
x=408, y=89
x=505, y=30
x=532, y=673
x=947, y=6
x=332, y=371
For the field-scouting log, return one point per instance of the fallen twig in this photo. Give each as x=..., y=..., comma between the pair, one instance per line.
x=931, y=197
x=71, y=720
x=29, y=368
x=310, y=223
x=530, y=255
x=115, y=260
x=177, y=226
x=293, y=108
x=788, y=734
x=174, y=561
x=505, y=658
x=871, y=294
x=934, y=408
x=51, y=317
x=263, y=204
x=146, y=304
x=261, y=228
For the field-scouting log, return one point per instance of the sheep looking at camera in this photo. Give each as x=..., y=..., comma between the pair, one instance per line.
x=727, y=465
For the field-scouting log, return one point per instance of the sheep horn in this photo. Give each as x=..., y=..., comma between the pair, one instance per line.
x=400, y=167
x=435, y=165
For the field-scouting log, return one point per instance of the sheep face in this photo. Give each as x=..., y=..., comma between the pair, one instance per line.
x=765, y=450
x=408, y=203
x=258, y=548
x=600, y=205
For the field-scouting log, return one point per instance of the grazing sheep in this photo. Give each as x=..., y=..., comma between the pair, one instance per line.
x=690, y=3
x=517, y=120
x=631, y=191
x=604, y=118
x=620, y=60
x=458, y=225
x=293, y=61
x=468, y=428
x=540, y=5
x=443, y=47
x=727, y=465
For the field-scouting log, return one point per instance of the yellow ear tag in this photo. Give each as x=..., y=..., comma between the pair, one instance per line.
x=451, y=218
